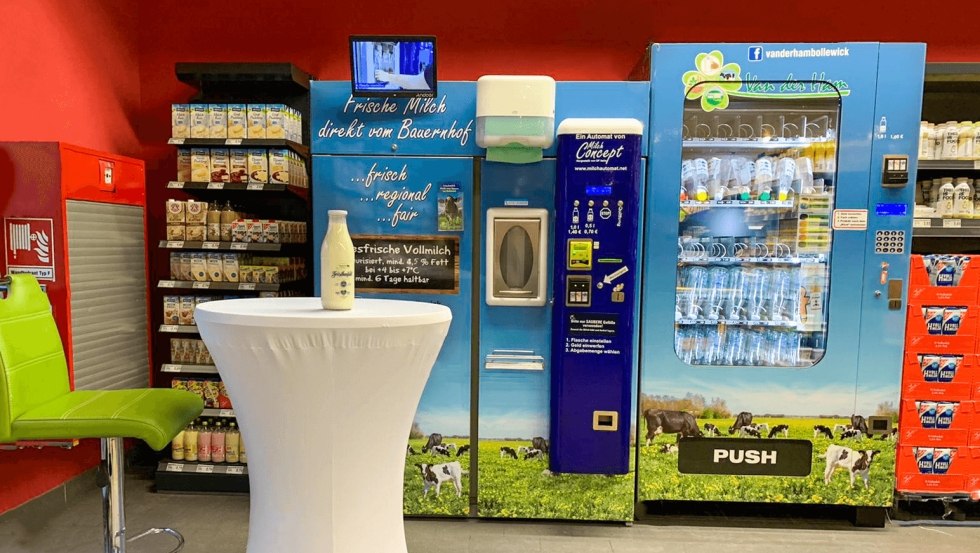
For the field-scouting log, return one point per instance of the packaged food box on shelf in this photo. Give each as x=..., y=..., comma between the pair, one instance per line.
x=929, y=343
x=937, y=421
x=944, y=280
x=942, y=320
x=938, y=468
x=211, y=390
x=939, y=375
x=236, y=121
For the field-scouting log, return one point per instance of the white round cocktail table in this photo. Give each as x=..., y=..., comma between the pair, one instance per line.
x=325, y=401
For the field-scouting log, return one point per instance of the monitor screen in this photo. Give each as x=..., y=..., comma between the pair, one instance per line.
x=393, y=66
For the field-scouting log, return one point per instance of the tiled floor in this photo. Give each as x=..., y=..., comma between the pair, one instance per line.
x=218, y=524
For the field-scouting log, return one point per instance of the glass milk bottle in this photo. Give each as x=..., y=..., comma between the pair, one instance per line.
x=337, y=264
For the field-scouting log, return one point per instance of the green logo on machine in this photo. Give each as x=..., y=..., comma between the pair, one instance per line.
x=715, y=82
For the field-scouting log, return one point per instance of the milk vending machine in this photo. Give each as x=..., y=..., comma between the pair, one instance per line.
x=516, y=202
x=776, y=258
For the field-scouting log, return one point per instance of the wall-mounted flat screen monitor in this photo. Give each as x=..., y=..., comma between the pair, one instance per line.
x=393, y=66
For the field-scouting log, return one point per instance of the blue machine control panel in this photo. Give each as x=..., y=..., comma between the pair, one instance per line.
x=596, y=217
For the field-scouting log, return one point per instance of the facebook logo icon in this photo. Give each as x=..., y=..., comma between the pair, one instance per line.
x=755, y=53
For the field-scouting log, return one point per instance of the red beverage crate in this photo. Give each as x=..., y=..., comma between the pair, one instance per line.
x=961, y=477
x=963, y=379
x=958, y=434
x=935, y=343
x=919, y=277
x=915, y=323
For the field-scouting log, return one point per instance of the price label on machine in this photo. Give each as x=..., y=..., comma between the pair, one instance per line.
x=216, y=186
x=239, y=246
x=952, y=223
x=226, y=413
x=233, y=141
x=175, y=244
x=201, y=285
x=167, y=284
x=255, y=186
x=246, y=286
x=175, y=467
x=177, y=141
x=175, y=184
x=921, y=223
x=169, y=328
x=235, y=470
x=205, y=469
x=210, y=245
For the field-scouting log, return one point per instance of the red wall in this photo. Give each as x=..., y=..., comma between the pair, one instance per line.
x=68, y=73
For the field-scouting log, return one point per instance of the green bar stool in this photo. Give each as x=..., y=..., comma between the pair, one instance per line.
x=36, y=402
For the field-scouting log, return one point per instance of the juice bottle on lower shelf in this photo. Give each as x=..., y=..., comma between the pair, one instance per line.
x=177, y=447
x=204, y=443
x=232, y=440
x=218, y=444
x=190, y=442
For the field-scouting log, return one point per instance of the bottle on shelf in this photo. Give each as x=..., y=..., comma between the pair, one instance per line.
x=218, y=440
x=946, y=198
x=177, y=447
x=204, y=443
x=242, y=456
x=963, y=198
x=225, y=220
x=232, y=439
x=190, y=442
x=213, y=222
x=337, y=264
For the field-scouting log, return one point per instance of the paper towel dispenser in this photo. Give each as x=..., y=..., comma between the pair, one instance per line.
x=517, y=256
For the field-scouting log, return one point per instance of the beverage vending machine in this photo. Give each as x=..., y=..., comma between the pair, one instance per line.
x=776, y=260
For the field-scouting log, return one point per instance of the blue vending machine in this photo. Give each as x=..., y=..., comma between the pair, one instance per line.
x=776, y=251
x=434, y=217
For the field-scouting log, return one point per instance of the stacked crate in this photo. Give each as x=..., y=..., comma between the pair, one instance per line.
x=939, y=424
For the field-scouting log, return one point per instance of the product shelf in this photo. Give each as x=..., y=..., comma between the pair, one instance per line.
x=803, y=259
x=302, y=150
x=729, y=322
x=223, y=246
x=226, y=413
x=178, y=368
x=228, y=286
x=949, y=165
x=303, y=193
x=945, y=228
x=178, y=329
x=203, y=468
x=786, y=204
x=753, y=144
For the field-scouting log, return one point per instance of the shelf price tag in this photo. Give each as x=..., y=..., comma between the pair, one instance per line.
x=976, y=164
x=239, y=246
x=175, y=244
x=201, y=285
x=170, y=368
x=167, y=284
x=233, y=141
x=210, y=245
x=246, y=286
x=175, y=184
x=216, y=186
x=175, y=467
x=255, y=186
x=169, y=328
x=235, y=470
x=952, y=223
x=226, y=413
x=177, y=141
x=921, y=223
x=205, y=469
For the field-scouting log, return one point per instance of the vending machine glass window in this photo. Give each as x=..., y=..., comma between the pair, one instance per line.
x=758, y=179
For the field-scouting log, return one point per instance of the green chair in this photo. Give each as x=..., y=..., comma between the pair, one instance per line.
x=36, y=402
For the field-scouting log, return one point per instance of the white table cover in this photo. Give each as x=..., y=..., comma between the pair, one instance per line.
x=325, y=401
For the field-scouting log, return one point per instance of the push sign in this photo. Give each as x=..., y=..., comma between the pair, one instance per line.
x=745, y=457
